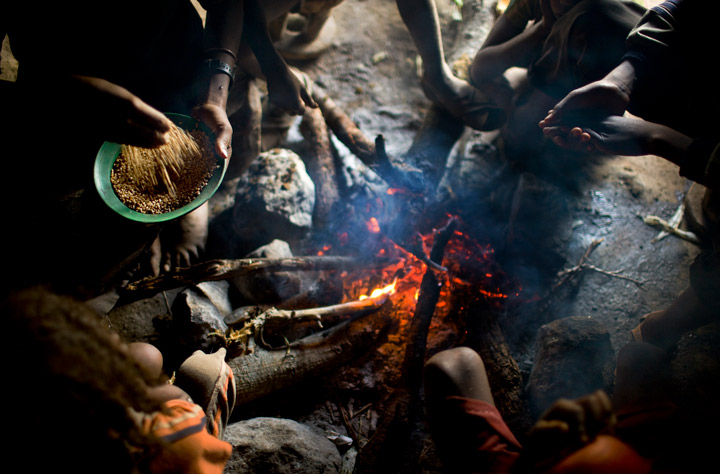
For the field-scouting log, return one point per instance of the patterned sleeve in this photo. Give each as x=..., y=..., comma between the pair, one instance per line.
x=188, y=447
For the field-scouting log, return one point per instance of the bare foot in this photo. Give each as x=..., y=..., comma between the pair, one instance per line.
x=464, y=102
x=181, y=241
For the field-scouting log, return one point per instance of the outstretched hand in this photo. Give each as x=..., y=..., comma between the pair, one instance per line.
x=612, y=134
x=119, y=115
x=599, y=98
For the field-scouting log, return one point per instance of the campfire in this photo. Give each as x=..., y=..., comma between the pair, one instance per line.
x=386, y=278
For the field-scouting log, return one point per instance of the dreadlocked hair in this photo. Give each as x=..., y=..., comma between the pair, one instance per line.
x=77, y=387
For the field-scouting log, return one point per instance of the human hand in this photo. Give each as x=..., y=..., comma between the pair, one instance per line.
x=567, y=426
x=216, y=119
x=613, y=135
x=116, y=113
x=288, y=90
x=603, y=97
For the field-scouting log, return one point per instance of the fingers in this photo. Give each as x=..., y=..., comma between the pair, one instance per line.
x=143, y=115
x=307, y=98
x=131, y=133
x=216, y=119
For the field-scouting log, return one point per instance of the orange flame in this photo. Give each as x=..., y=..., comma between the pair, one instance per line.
x=386, y=290
x=373, y=225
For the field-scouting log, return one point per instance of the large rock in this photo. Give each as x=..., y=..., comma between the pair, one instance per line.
x=275, y=199
x=573, y=357
x=199, y=316
x=279, y=446
x=269, y=287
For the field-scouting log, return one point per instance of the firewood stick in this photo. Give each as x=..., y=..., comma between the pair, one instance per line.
x=665, y=226
x=320, y=165
x=223, y=269
x=341, y=309
x=345, y=129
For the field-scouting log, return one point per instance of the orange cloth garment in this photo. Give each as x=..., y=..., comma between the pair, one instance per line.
x=190, y=449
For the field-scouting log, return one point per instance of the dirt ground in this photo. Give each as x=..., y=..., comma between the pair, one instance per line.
x=384, y=97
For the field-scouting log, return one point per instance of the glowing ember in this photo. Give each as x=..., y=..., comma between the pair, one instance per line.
x=373, y=226
x=386, y=290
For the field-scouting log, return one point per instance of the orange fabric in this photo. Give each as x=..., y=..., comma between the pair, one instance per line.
x=190, y=448
x=606, y=454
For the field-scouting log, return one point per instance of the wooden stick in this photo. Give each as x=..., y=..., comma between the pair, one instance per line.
x=222, y=269
x=320, y=165
x=665, y=226
x=344, y=128
x=266, y=371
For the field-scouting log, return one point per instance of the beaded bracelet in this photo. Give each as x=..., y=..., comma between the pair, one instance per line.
x=215, y=65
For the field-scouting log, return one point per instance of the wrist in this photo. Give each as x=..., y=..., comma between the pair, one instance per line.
x=623, y=78
x=668, y=143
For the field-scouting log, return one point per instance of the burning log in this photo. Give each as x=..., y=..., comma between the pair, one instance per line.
x=320, y=164
x=267, y=371
x=222, y=269
x=388, y=449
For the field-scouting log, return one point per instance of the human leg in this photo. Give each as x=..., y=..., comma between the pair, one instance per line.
x=439, y=84
x=465, y=425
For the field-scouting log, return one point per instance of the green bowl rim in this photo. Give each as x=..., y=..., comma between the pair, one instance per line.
x=108, y=153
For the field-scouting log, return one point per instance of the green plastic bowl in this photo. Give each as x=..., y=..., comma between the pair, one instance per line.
x=109, y=152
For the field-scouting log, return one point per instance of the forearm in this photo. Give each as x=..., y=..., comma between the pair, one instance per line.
x=223, y=33
x=491, y=61
x=668, y=143
x=257, y=37
x=623, y=77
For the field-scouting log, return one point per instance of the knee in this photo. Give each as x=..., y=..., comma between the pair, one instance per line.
x=148, y=357
x=459, y=371
x=459, y=359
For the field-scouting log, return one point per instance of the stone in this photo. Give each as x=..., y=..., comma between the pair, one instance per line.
x=275, y=249
x=136, y=321
x=269, y=287
x=573, y=357
x=275, y=199
x=279, y=446
x=196, y=318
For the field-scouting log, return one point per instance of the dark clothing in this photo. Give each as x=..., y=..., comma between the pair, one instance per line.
x=584, y=45
x=671, y=49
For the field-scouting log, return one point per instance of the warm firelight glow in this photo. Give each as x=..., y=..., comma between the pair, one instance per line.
x=373, y=226
x=386, y=290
